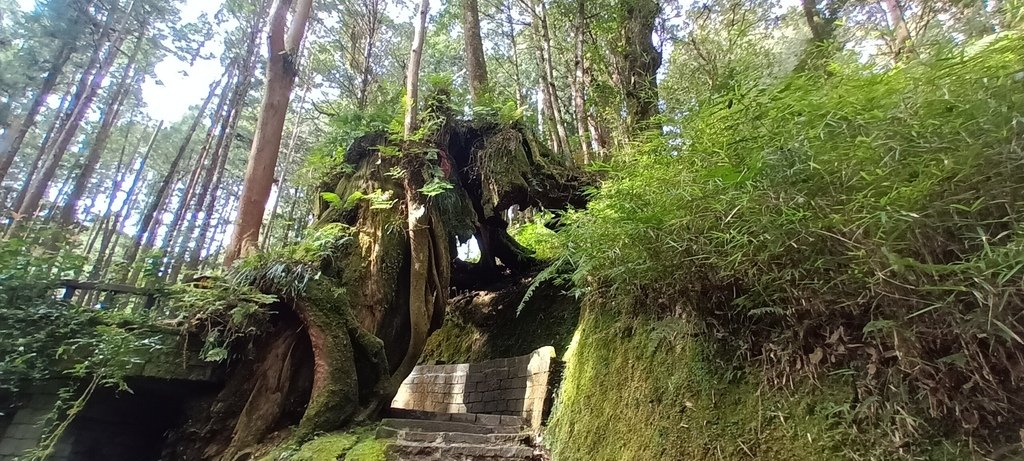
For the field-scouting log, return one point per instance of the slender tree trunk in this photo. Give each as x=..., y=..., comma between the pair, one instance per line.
x=108, y=118
x=578, y=84
x=174, y=234
x=423, y=259
x=40, y=184
x=545, y=72
x=12, y=144
x=545, y=111
x=820, y=30
x=476, y=65
x=37, y=161
x=900, y=30
x=514, y=48
x=211, y=198
x=282, y=181
x=226, y=138
x=60, y=124
x=373, y=18
x=540, y=18
x=192, y=198
x=259, y=174
x=106, y=251
x=292, y=207
x=161, y=191
x=63, y=190
x=120, y=174
x=412, y=72
x=598, y=135
x=823, y=27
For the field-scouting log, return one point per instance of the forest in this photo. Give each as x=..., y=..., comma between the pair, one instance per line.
x=750, y=229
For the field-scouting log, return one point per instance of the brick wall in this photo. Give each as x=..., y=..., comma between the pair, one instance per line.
x=516, y=386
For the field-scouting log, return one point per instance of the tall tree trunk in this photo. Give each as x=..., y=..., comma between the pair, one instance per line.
x=291, y=220
x=374, y=16
x=514, y=47
x=900, y=30
x=545, y=111
x=108, y=118
x=578, y=84
x=12, y=144
x=36, y=163
x=476, y=65
x=598, y=134
x=40, y=184
x=418, y=213
x=120, y=174
x=822, y=24
x=259, y=174
x=142, y=232
x=412, y=71
x=226, y=137
x=541, y=15
x=641, y=60
x=175, y=235
x=106, y=250
x=60, y=124
x=193, y=197
x=282, y=181
x=552, y=105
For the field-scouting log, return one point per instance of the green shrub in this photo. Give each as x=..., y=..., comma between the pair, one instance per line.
x=535, y=236
x=865, y=223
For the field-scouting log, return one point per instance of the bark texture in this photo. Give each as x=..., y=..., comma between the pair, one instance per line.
x=284, y=42
x=476, y=65
x=641, y=60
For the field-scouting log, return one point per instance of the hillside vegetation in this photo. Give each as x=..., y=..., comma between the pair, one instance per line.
x=821, y=266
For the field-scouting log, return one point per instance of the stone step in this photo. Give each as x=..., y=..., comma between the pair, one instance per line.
x=419, y=451
x=478, y=418
x=421, y=425
x=453, y=437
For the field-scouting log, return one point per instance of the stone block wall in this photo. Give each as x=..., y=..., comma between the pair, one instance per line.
x=26, y=429
x=516, y=386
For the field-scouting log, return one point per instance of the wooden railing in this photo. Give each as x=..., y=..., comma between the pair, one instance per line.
x=71, y=287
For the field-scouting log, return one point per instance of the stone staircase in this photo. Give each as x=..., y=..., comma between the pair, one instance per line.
x=484, y=411
x=431, y=436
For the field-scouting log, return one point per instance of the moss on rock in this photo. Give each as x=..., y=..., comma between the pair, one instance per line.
x=548, y=318
x=368, y=449
x=358, y=444
x=327, y=447
x=655, y=389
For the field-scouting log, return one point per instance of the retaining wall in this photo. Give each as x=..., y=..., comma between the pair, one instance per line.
x=516, y=386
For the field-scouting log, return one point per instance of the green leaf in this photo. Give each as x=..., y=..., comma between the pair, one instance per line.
x=353, y=199
x=331, y=198
x=435, y=187
x=878, y=325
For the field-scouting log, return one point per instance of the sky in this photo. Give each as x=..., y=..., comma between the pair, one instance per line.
x=179, y=85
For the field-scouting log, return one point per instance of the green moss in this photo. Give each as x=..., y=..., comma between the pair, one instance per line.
x=548, y=318
x=328, y=447
x=358, y=444
x=368, y=449
x=336, y=399
x=545, y=243
x=453, y=343
x=652, y=390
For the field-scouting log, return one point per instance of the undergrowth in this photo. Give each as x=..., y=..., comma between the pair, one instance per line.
x=864, y=224
x=535, y=236
x=358, y=444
